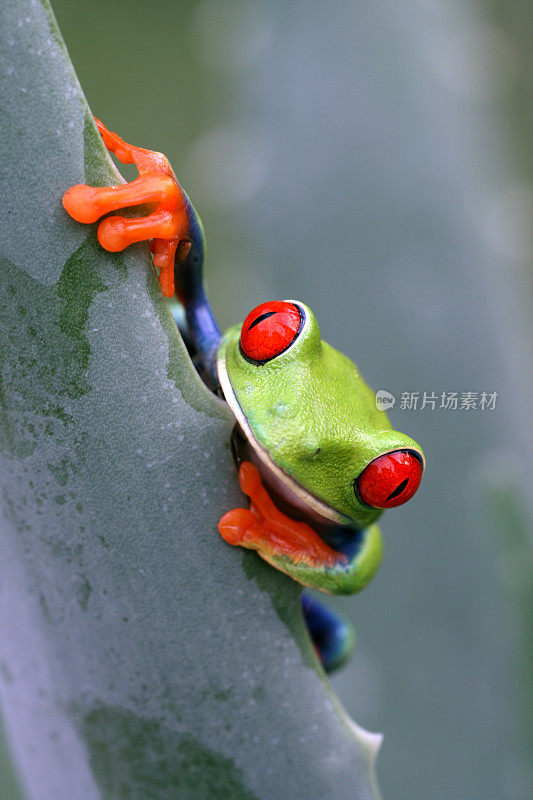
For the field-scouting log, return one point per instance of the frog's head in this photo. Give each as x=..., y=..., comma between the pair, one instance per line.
x=309, y=422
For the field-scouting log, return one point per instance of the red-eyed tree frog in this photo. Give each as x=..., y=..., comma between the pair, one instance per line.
x=316, y=457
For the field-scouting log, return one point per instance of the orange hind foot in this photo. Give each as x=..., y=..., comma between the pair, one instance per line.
x=167, y=225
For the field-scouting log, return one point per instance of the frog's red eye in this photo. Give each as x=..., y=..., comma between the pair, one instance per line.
x=270, y=329
x=390, y=480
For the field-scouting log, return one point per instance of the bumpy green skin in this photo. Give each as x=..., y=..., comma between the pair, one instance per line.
x=311, y=410
x=314, y=414
x=343, y=579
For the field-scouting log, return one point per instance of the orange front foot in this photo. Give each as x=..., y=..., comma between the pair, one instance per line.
x=167, y=225
x=266, y=529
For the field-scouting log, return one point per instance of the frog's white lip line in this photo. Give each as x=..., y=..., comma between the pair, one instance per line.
x=325, y=511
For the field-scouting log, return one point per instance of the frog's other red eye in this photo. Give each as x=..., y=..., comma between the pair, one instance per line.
x=270, y=329
x=390, y=480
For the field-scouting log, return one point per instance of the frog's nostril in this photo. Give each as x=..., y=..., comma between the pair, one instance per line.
x=390, y=480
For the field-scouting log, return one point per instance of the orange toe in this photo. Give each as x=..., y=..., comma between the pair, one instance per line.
x=78, y=201
x=112, y=234
x=234, y=525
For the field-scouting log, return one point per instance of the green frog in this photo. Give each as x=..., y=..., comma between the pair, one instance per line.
x=316, y=456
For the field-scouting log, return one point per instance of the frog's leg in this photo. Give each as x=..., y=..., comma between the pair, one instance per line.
x=167, y=225
x=332, y=634
x=201, y=323
x=273, y=534
x=175, y=230
x=266, y=529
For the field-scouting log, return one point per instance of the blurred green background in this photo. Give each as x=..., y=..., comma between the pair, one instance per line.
x=374, y=160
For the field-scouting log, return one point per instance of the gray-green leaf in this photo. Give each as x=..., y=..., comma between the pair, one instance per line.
x=140, y=656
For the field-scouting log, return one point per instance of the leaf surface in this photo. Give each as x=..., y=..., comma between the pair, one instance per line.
x=140, y=656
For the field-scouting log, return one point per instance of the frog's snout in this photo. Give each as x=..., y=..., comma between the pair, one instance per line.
x=390, y=479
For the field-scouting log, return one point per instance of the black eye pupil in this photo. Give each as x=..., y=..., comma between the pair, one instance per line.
x=260, y=318
x=399, y=489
